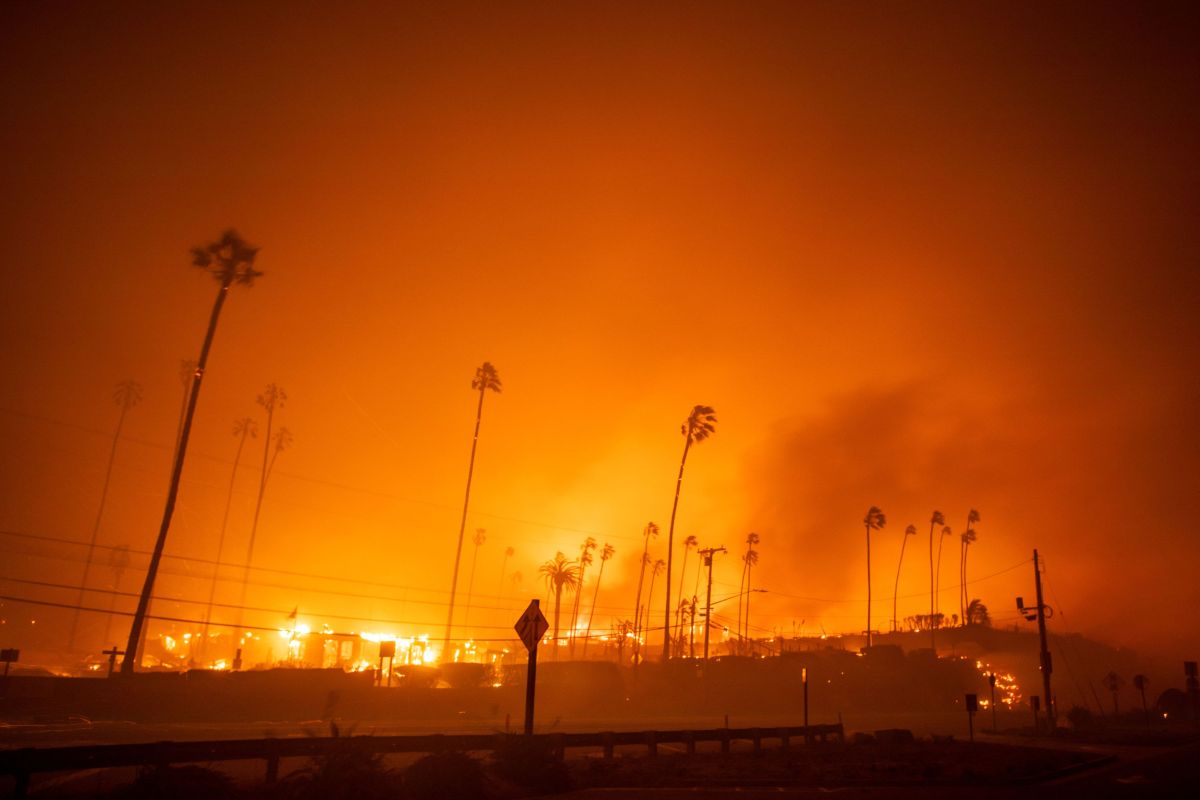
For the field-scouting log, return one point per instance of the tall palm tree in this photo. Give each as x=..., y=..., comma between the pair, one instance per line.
x=272, y=399
x=508, y=553
x=187, y=374
x=478, y=540
x=937, y=519
x=874, y=520
x=699, y=425
x=126, y=395
x=751, y=540
x=655, y=570
x=688, y=544
x=242, y=428
x=946, y=533
x=559, y=574
x=968, y=538
x=751, y=558
x=911, y=530
x=230, y=260
x=585, y=560
x=605, y=554
x=118, y=562
x=486, y=379
x=972, y=518
x=649, y=532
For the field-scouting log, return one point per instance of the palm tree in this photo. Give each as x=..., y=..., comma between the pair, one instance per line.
x=508, y=553
x=977, y=613
x=230, y=260
x=605, y=554
x=242, y=428
x=478, y=540
x=118, y=562
x=743, y=589
x=272, y=399
x=688, y=544
x=911, y=530
x=751, y=559
x=655, y=570
x=517, y=579
x=874, y=520
x=968, y=538
x=126, y=395
x=559, y=574
x=946, y=532
x=937, y=519
x=486, y=378
x=699, y=425
x=585, y=560
x=650, y=531
x=187, y=374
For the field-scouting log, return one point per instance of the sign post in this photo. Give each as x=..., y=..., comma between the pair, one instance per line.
x=8, y=656
x=531, y=627
x=972, y=707
x=112, y=658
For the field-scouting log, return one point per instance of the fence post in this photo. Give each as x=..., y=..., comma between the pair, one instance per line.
x=725, y=740
x=689, y=742
x=651, y=743
x=756, y=738
x=606, y=739
x=784, y=738
x=272, y=752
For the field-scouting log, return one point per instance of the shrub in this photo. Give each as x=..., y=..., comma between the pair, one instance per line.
x=445, y=776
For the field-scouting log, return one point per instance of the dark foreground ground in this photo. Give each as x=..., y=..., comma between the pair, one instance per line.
x=922, y=768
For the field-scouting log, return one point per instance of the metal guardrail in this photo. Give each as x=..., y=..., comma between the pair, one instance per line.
x=25, y=762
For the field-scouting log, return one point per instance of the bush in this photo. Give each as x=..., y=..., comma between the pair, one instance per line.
x=178, y=783
x=532, y=764
x=445, y=776
x=1079, y=717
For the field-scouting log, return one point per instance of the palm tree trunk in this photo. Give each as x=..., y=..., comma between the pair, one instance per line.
x=212, y=589
x=966, y=593
x=637, y=608
x=679, y=600
x=932, y=629
x=670, y=551
x=741, y=590
x=962, y=560
x=650, y=597
x=557, y=608
x=896, y=589
x=87, y=565
x=938, y=577
x=575, y=608
x=462, y=528
x=592, y=614
x=139, y=618
x=749, y=643
x=268, y=463
x=868, y=586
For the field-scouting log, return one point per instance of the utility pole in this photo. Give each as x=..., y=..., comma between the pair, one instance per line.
x=1040, y=615
x=708, y=554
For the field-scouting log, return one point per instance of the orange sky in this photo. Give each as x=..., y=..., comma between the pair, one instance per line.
x=921, y=257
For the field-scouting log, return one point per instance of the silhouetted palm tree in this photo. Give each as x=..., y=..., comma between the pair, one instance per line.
x=230, y=260
x=911, y=530
x=187, y=374
x=874, y=520
x=508, y=553
x=126, y=395
x=272, y=399
x=650, y=531
x=743, y=589
x=946, y=532
x=688, y=544
x=118, y=562
x=478, y=540
x=977, y=613
x=605, y=554
x=242, y=428
x=699, y=425
x=559, y=574
x=655, y=570
x=937, y=519
x=486, y=379
x=751, y=559
x=968, y=538
x=585, y=560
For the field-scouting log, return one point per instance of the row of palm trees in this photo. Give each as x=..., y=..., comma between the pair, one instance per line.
x=875, y=520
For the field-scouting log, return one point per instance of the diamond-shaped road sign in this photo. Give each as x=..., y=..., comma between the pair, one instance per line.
x=532, y=625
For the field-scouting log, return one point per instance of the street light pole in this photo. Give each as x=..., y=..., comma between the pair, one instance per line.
x=708, y=554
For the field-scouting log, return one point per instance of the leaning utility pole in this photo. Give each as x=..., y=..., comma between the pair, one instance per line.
x=1040, y=615
x=708, y=554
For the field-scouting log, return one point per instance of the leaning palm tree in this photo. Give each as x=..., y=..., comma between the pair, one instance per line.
x=968, y=538
x=655, y=570
x=118, y=562
x=699, y=425
x=937, y=519
x=649, y=532
x=585, y=561
x=946, y=533
x=486, y=378
x=479, y=539
x=688, y=544
x=751, y=562
x=127, y=395
x=911, y=530
x=273, y=398
x=559, y=574
x=242, y=428
x=605, y=554
x=187, y=374
x=874, y=520
x=230, y=260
